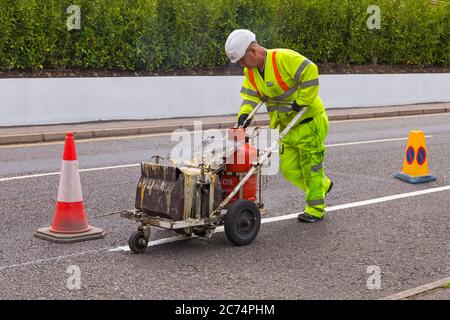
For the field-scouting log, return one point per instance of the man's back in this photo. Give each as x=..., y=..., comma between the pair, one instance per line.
x=288, y=76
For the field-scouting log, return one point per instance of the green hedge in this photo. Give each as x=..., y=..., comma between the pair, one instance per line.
x=176, y=34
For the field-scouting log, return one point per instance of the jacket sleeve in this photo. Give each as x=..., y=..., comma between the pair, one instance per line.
x=306, y=75
x=308, y=85
x=250, y=97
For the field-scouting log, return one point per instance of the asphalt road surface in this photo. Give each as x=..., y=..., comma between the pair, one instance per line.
x=404, y=237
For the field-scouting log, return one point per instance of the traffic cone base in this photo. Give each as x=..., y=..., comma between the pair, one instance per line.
x=415, y=180
x=70, y=217
x=47, y=234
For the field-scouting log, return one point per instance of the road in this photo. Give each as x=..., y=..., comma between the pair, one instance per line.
x=406, y=237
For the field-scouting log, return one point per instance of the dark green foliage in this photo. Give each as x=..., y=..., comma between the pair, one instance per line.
x=180, y=34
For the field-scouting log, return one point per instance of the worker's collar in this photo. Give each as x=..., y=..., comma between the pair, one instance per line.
x=264, y=64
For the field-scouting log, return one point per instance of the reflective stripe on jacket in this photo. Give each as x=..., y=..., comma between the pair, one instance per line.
x=288, y=76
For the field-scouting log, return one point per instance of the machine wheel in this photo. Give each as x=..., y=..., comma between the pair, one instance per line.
x=242, y=222
x=137, y=242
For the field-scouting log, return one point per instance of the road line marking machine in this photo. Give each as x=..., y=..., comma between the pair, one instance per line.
x=208, y=191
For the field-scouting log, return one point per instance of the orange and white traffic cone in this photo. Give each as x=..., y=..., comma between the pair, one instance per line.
x=70, y=222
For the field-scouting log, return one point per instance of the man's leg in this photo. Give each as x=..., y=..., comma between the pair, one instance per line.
x=295, y=172
x=316, y=182
x=312, y=152
x=301, y=163
x=290, y=166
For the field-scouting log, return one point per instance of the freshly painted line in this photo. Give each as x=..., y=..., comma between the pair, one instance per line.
x=329, y=209
x=266, y=220
x=418, y=290
x=154, y=243
x=365, y=202
x=138, y=164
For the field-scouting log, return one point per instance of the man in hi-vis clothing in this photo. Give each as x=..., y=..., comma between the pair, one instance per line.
x=285, y=75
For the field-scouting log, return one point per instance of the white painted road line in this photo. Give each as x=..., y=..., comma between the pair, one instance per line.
x=50, y=259
x=294, y=215
x=162, y=134
x=155, y=242
x=369, y=141
x=30, y=176
x=365, y=202
x=138, y=164
x=363, y=142
x=266, y=220
x=80, y=170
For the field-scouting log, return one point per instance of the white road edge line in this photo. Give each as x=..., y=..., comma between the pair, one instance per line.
x=266, y=220
x=138, y=164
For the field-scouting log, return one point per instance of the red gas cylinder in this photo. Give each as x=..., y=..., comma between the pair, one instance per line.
x=237, y=167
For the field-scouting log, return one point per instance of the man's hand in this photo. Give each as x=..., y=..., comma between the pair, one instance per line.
x=242, y=119
x=296, y=107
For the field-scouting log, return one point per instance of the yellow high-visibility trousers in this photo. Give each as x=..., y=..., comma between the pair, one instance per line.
x=302, y=153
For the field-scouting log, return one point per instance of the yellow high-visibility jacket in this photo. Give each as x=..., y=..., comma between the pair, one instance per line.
x=288, y=76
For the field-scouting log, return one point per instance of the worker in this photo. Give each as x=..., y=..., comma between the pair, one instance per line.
x=286, y=76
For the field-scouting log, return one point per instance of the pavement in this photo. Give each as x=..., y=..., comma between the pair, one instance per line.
x=434, y=294
x=102, y=129
x=437, y=290
x=373, y=221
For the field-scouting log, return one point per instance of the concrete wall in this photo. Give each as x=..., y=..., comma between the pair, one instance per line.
x=63, y=100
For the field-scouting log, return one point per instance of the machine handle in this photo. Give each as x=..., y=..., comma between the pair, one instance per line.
x=261, y=159
x=255, y=109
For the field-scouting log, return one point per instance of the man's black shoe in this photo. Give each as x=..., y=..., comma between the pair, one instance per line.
x=330, y=187
x=305, y=217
